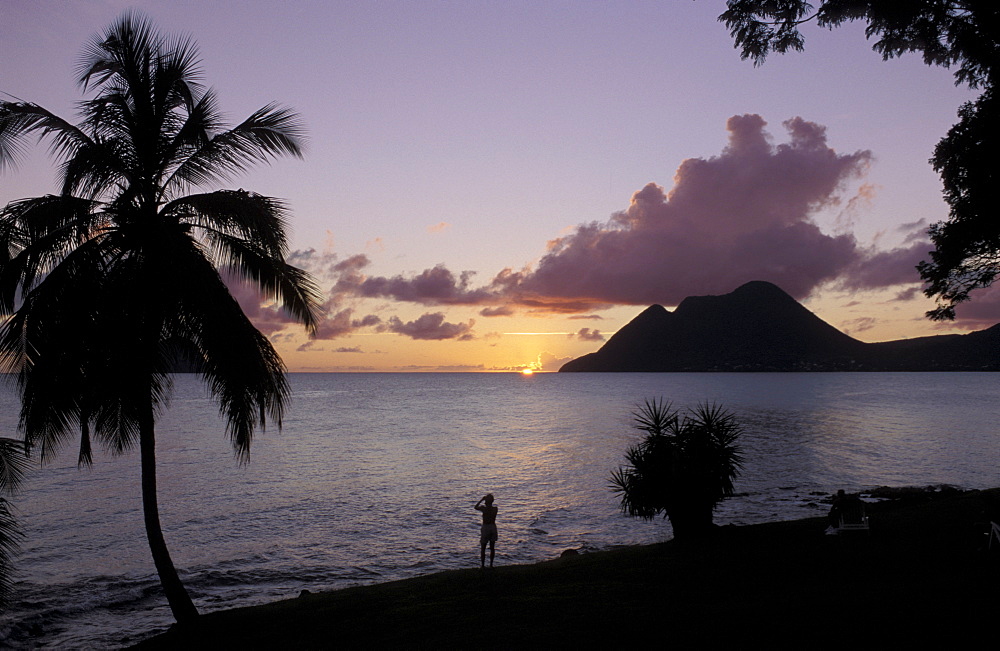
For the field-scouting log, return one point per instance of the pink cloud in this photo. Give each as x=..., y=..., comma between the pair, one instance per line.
x=860, y=324
x=431, y=326
x=586, y=334
x=982, y=310
x=337, y=321
x=503, y=310
x=342, y=323
x=267, y=317
x=334, y=320
x=914, y=230
x=742, y=215
x=436, y=286
x=886, y=268
x=352, y=264
x=745, y=214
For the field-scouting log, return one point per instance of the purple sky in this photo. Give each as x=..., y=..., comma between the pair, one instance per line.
x=495, y=184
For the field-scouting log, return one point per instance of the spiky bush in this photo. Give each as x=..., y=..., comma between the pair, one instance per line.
x=684, y=466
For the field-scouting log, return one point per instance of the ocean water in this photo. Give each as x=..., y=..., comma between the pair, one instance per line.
x=374, y=476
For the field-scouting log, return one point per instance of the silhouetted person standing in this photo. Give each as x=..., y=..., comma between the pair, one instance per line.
x=836, y=509
x=488, y=532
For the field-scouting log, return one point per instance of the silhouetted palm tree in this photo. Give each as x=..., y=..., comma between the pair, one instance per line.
x=683, y=468
x=105, y=285
x=13, y=463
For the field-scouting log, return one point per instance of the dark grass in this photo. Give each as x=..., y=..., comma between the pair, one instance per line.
x=922, y=577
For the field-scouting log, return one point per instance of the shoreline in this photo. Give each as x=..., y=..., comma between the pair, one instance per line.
x=923, y=569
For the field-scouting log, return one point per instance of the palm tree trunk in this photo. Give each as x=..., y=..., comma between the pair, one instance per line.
x=177, y=596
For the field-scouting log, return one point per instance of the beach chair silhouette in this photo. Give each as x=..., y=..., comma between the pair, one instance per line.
x=853, y=517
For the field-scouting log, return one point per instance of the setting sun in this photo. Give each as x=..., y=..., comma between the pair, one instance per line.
x=526, y=371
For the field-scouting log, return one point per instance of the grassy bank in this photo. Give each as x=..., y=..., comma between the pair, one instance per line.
x=920, y=574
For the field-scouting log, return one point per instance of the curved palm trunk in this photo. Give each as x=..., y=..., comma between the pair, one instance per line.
x=177, y=596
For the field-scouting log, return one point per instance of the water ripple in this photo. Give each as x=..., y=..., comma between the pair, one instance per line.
x=374, y=478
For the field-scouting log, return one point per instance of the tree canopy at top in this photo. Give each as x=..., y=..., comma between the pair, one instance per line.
x=964, y=34
x=947, y=32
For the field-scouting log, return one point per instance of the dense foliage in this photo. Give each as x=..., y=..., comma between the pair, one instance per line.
x=684, y=466
x=964, y=34
x=104, y=286
x=947, y=33
x=967, y=246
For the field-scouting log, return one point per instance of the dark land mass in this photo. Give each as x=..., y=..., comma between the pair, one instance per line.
x=923, y=577
x=758, y=327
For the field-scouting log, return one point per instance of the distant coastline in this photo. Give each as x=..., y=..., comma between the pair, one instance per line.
x=759, y=328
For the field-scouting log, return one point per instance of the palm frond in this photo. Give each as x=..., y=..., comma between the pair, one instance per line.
x=243, y=371
x=655, y=416
x=177, y=75
x=270, y=132
x=48, y=383
x=190, y=134
x=52, y=345
x=96, y=169
x=109, y=116
x=246, y=236
x=293, y=288
x=41, y=216
x=122, y=53
x=19, y=120
x=10, y=539
x=36, y=235
x=259, y=220
x=14, y=463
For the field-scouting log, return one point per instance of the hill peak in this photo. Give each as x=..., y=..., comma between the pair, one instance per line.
x=760, y=327
x=761, y=288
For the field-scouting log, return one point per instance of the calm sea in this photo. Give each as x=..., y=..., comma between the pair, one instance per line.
x=374, y=476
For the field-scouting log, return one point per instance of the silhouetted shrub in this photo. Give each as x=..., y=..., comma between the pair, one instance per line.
x=683, y=467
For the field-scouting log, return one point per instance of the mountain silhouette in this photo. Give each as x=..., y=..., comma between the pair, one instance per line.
x=759, y=327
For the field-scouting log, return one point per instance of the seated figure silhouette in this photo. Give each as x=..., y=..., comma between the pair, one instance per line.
x=843, y=504
x=488, y=532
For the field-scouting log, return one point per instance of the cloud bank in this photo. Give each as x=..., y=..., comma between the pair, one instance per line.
x=431, y=327
x=982, y=311
x=586, y=334
x=743, y=215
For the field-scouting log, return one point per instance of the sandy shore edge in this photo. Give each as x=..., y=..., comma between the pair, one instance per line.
x=923, y=571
